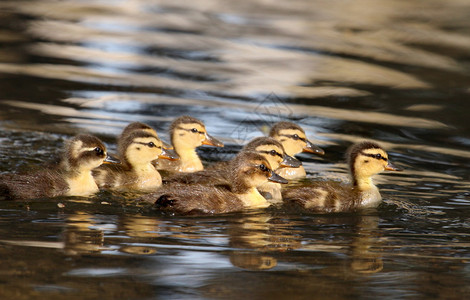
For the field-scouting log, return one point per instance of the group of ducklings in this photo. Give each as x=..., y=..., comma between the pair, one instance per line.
x=255, y=178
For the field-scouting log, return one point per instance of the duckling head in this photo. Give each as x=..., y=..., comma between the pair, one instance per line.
x=293, y=138
x=189, y=133
x=367, y=159
x=251, y=169
x=144, y=127
x=85, y=152
x=140, y=148
x=273, y=151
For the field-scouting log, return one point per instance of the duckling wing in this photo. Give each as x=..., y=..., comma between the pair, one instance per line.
x=113, y=176
x=194, y=199
x=44, y=184
x=219, y=165
x=322, y=197
x=206, y=177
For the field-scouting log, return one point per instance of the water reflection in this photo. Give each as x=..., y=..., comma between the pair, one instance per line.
x=262, y=232
x=137, y=226
x=332, y=250
x=278, y=236
x=80, y=237
x=366, y=254
x=262, y=235
x=252, y=260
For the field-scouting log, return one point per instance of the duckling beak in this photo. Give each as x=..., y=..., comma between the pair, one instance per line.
x=169, y=154
x=392, y=167
x=313, y=149
x=111, y=160
x=276, y=178
x=211, y=141
x=166, y=145
x=289, y=161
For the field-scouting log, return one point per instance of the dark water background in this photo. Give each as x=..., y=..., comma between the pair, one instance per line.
x=393, y=71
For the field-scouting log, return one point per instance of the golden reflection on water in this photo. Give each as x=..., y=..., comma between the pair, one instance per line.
x=262, y=233
x=366, y=254
x=79, y=236
x=254, y=261
x=138, y=226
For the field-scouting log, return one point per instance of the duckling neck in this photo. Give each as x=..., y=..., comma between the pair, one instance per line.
x=253, y=199
x=363, y=183
x=370, y=195
x=246, y=190
x=148, y=176
x=81, y=183
x=189, y=160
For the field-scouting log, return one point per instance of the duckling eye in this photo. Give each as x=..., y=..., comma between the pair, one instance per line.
x=378, y=156
x=273, y=152
x=98, y=151
x=151, y=145
x=194, y=130
x=263, y=167
x=296, y=136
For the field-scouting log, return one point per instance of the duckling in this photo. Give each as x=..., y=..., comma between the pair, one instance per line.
x=137, y=150
x=294, y=140
x=248, y=170
x=365, y=159
x=273, y=151
x=188, y=133
x=71, y=177
x=142, y=126
x=268, y=147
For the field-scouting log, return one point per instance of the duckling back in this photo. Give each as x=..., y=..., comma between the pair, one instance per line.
x=323, y=197
x=195, y=199
x=218, y=176
x=45, y=184
x=117, y=177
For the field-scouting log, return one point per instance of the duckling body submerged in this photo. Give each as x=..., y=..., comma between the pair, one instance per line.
x=188, y=133
x=72, y=177
x=365, y=160
x=249, y=170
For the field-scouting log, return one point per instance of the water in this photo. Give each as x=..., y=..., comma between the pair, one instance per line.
x=396, y=72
